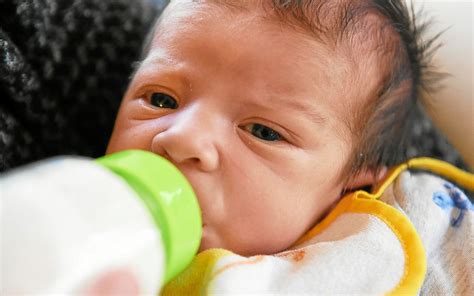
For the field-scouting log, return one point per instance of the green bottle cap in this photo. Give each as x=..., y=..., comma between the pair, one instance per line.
x=169, y=198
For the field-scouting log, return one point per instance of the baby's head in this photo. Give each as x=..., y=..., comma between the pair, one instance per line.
x=272, y=109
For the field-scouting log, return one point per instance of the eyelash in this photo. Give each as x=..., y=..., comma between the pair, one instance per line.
x=263, y=131
x=257, y=130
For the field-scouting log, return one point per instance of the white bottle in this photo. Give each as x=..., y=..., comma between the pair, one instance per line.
x=66, y=222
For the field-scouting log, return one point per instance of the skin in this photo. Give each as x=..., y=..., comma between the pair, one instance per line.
x=260, y=128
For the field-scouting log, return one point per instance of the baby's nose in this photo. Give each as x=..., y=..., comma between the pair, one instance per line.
x=190, y=139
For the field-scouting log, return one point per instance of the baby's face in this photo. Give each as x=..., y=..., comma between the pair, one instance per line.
x=252, y=113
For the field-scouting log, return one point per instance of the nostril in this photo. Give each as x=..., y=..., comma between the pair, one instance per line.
x=187, y=161
x=176, y=160
x=194, y=160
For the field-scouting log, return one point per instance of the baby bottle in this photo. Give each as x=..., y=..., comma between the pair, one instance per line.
x=68, y=221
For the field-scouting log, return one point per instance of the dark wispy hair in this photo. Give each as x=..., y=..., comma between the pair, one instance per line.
x=387, y=134
x=382, y=128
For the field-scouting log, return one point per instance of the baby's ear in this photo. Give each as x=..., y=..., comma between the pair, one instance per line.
x=365, y=178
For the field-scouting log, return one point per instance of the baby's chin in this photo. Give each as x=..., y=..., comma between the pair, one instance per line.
x=210, y=239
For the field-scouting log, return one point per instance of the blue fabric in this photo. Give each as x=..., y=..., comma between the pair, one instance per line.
x=452, y=199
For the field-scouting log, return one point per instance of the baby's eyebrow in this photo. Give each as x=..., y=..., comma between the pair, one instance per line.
x=294, y=104
x=313, y=115
x=167, y=67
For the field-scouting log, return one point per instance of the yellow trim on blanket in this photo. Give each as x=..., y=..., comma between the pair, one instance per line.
x=364, y=202
x=195, y=278
x=439, y=167
x=415, y=258
x=464, y=179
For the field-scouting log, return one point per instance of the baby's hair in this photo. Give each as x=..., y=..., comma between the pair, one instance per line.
x=385, y=30
x=387, y=131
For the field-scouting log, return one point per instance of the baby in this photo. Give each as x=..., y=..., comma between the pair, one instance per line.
x=274, y=109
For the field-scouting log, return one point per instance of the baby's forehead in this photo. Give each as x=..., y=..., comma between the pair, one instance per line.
x=354, y=29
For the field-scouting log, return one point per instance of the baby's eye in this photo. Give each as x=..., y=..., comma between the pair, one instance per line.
x=162, y=100
x=263, y=132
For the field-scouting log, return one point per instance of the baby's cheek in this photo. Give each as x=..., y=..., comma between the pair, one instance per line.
x=272, y=231
x=137, y=137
